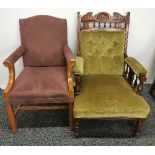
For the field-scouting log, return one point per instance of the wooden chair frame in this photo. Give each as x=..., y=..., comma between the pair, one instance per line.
x=104, y=20
x=10, y=110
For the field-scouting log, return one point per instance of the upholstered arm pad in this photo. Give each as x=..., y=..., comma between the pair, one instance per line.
x=16, y=55
x=135, y=66
x=67, y=52
x=78, y=68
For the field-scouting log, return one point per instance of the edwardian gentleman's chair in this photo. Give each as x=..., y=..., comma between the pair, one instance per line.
x=108, y=82
x=46, y=80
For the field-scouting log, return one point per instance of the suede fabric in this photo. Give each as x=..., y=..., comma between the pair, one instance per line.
x=135, y=65
x=79, y=65
x=67, y=53
x=44, y=37
x=108, y=96
x=103, y=52
x=16, y=54
x=41, y=83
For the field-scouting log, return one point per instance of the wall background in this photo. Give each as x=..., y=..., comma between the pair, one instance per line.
x=141, y=34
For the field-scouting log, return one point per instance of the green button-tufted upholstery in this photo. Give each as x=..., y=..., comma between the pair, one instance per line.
x=102, y=52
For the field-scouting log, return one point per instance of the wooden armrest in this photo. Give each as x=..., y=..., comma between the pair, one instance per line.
x=9, y=63
x=11, y=80
x=70, y=65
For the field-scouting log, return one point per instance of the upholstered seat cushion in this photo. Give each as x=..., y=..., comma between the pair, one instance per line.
x=108, y=96
x=41, y=84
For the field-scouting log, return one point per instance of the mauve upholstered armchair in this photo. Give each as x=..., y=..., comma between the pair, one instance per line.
x=46, y=81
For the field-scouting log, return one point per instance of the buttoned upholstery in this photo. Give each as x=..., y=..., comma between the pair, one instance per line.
x=102, y=52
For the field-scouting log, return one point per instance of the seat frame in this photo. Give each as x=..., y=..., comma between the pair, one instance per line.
x=101, y=21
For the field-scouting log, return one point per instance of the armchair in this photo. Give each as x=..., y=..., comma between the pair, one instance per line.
x=108, y=82
x=45, y=83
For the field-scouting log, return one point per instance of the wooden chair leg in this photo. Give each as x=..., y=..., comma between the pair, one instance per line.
x=139, y=125
x=12, y=118
x=76, y=127
x=71, y=116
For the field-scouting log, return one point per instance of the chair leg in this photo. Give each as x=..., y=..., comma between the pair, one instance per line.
x=71, y=116
x=139, y=125
x=12, y=119
x=76, y=127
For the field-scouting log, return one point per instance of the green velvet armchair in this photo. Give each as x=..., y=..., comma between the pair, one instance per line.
x=108, y=82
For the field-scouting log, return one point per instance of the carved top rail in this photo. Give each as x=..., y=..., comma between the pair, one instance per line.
x=104, y=17
x=103, y=20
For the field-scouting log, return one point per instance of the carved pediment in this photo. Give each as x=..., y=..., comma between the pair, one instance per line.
x=104, y=16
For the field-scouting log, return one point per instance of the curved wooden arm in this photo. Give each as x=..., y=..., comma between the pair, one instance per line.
x=11, y=78
x=70, y=64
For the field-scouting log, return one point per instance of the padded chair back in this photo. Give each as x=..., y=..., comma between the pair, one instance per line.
x=44, y=37
x=103, y=51
x=102, y=42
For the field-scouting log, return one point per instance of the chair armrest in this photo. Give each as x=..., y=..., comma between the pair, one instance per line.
x=16, y=55
x=135, y=66
x=135, y=74
x=67, y=52
x=78, y=68
x=9, y=63
x=70, y=63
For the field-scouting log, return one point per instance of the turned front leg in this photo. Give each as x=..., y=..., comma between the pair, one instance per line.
x=139, y=125
x=76, y=127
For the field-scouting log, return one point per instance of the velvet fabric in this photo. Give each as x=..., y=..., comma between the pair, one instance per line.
x=135, y=65
x=44, y=37
x=103, y=52
x=38, y=83
x=79, y=65
x=108, y=96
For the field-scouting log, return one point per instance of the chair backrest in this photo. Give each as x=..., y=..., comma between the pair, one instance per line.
x=44, y=37
x=102, y=42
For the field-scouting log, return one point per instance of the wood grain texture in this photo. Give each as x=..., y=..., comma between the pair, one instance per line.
x=12, y=119
x=70, y=65
x=139, y=125
x=11, y=80
x=135, y=81
x=103, y=20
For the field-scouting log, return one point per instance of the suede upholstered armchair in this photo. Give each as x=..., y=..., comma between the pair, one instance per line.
x=108, y=82
x=46, y=81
